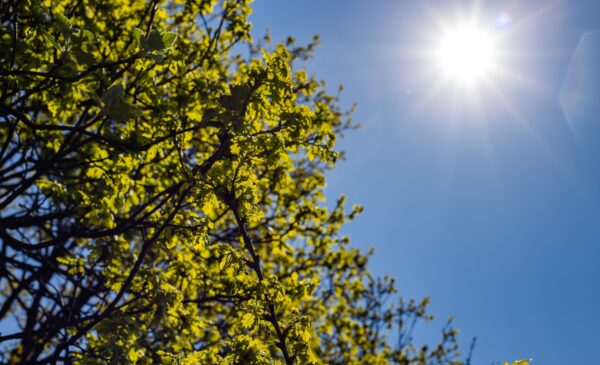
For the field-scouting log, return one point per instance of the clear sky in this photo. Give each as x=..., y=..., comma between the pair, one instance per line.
x=486, y=195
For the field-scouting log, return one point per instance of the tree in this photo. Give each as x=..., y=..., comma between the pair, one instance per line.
x=161, y=196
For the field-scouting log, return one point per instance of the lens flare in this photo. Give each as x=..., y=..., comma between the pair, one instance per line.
x=503, y=20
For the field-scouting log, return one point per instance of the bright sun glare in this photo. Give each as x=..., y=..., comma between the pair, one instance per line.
x=466, y=54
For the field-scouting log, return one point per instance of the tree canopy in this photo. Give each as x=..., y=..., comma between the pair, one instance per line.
x=162, y=196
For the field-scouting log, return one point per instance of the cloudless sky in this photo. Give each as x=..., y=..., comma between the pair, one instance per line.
x=486, y=199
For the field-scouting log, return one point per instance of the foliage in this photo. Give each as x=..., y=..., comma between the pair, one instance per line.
x=161, y=196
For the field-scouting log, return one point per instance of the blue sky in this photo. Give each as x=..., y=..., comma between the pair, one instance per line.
x=485, y=198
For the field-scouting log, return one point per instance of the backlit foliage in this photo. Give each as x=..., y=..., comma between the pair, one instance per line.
x=162, y=196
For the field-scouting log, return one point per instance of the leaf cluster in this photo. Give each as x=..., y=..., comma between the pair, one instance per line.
x=162, y=196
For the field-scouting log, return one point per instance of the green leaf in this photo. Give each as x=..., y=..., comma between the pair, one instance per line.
x=224, y=262
x=158, y=41
x=248, y=320
x=87, y=36
x=94, y=172
x=154, y=41
x=50, y=38
x=168, y=39
x=133, y=355
x=123, y=111
x=114, y=94
x=237, y=99
x=280, y=66
x=63, y=22
x=50, y=187
x=138, y=37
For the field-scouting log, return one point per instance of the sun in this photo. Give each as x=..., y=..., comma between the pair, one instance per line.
x=466, y=54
